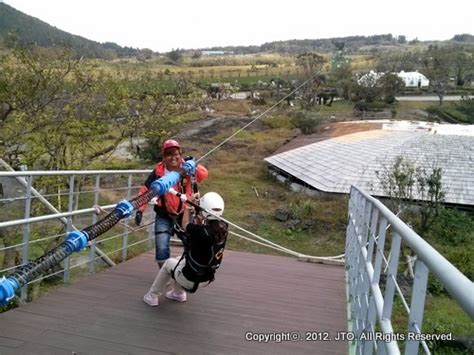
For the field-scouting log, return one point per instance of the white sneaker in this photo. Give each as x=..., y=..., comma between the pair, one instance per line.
x=177, y=296
x=151, y=300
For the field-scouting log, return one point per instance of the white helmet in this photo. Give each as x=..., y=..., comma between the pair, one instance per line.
x=212, y=202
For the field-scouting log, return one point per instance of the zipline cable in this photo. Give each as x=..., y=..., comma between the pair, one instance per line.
x=256, y=118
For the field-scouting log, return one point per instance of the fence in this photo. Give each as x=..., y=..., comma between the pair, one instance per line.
x=32, y=220
x=371, y=228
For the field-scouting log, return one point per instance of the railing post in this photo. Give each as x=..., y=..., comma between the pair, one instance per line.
x=365, y=284
x=417, y=307
x=352, y=254
x=365, y=224
x=390, y=281
x=372, y=235
x=26, y=234
x=92, y=262
x=67, y=261
x=125, y=234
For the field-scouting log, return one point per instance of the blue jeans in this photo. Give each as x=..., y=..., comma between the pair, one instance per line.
x=163, y=231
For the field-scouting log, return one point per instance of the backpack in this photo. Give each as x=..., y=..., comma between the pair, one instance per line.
x=196, y=272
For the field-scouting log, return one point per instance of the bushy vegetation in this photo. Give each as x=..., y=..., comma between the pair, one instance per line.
x=308, y=122
x=457, y=112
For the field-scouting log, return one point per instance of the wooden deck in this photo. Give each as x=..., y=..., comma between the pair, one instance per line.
x=104, y=313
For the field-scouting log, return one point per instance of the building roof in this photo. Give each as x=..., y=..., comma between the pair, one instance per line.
x=333, y=165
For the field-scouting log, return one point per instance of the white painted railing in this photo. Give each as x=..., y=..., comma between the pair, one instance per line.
x=374, y=239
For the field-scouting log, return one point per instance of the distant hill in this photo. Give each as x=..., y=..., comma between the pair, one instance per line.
x=351, y=44
x=31, y=30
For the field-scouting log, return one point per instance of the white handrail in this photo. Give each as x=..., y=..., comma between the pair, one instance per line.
x=455, y=282
x=373, y=228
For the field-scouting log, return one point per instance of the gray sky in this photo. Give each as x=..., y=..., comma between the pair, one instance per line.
x=164, y=25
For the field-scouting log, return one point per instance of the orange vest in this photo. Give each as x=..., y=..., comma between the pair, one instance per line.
x=170, y=203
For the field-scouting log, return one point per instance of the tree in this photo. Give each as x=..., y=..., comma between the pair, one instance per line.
x=402, y=39
x=391, y=85
x=175, y=55
x=367, y=90
x=56, y=115
x=311, y=65
x=396, y=61
x=463, y=63
x=144, y=54
x=341, y=77
x=437, y=62
x=411, y=187
x=196, y=55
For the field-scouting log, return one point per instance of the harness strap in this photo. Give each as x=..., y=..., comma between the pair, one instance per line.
x=196, y=284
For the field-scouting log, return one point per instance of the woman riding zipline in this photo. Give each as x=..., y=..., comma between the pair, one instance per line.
x=203, y=250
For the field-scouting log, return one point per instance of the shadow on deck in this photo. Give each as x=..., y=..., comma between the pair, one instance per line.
x=104, y=313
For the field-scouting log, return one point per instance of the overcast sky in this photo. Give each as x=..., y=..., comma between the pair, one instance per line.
x=165, y=25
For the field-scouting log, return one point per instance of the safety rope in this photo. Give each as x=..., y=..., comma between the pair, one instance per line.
x=271, y=244
x=338, y=259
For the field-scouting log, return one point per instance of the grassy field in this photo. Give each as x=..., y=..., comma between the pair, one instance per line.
x=221, y=67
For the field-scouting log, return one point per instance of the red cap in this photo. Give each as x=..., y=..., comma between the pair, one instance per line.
x=170, y=143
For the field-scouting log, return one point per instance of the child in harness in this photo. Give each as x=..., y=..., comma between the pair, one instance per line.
x=203, y=250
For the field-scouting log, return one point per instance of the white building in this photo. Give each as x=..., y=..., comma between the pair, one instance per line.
x=216, y=53
x=412, y=79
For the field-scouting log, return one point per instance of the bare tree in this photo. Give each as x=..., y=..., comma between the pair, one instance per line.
x=437, y=62
x=312, y=65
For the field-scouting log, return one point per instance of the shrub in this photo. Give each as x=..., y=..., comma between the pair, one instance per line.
x=307, y=122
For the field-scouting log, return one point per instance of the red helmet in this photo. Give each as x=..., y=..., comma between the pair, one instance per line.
x=171, y=143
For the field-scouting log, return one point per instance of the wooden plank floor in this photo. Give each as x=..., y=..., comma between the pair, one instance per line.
x=104, y=313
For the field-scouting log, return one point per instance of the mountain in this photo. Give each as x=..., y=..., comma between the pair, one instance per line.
x=31, y=30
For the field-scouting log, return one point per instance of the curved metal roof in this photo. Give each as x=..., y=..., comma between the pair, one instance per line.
x=333, y=165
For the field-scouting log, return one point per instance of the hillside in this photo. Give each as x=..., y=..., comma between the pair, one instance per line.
x=352, y=44
x=32, y=30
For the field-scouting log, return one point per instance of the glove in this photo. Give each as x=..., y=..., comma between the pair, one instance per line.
x=138, y=218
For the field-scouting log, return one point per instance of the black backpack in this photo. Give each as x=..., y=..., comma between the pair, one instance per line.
x=196, y=272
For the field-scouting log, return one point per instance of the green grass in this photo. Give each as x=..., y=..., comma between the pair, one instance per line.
x=413, y=105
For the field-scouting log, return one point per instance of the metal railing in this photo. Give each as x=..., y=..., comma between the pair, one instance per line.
x=371, y=228
x=31, y=219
